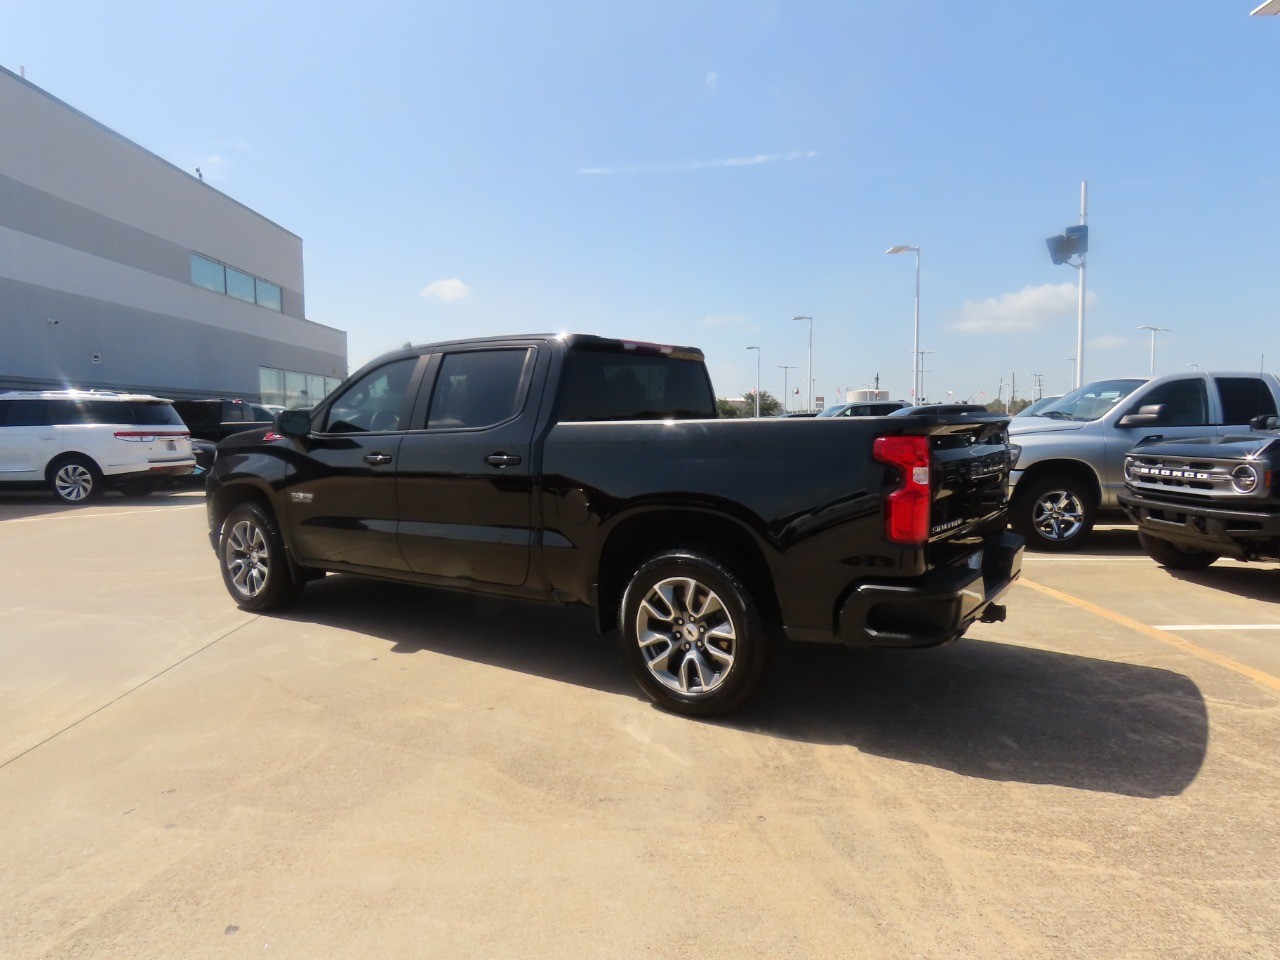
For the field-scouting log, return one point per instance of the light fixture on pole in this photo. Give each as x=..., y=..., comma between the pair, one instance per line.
x=915, y=339
x=1074, y=241
x=810, y=319
x=1194, y=366
x=1154, y=331
x=785, y=397
x=757, y=350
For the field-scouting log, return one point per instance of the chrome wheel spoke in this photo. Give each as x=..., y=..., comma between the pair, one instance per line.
x=686, y=636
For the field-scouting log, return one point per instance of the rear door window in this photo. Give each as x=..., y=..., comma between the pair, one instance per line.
x=24, y=413
x=479, y=388
x=1244, y=398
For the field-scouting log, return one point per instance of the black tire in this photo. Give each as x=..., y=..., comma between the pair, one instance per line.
x=139, y=486
x=75, y=479
x=252, y=558
x=1054, y=513
x=1173, y=556
x=692, y=634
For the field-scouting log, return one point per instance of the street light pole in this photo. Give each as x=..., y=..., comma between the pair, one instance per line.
x=1071, y=384
x=784, y=368
x=810, y=319
x=915, y=339
x=757, y=350
x=1154, y=331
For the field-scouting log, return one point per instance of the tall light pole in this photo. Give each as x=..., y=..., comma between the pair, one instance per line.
x=1074, y=242
x=1154, y=331
x=757, y=350
x=785, y=396
x=915, y=339
x=1070, y=383
x=810, y=319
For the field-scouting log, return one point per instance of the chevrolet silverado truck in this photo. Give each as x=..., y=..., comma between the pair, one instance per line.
x=1069, y=459
x=1200, y=499
x=581, y=470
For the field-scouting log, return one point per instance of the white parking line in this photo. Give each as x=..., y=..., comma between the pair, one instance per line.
x=1219, y=626
x=87, y=515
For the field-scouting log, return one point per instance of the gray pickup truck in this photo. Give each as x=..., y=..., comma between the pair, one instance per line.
x=1069, y=465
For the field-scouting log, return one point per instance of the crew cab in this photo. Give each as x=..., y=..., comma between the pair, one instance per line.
x=1069, y=465
x=583, y=470
x=1200, y=499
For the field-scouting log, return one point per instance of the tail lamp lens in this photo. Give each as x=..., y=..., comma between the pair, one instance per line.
x=906, y=518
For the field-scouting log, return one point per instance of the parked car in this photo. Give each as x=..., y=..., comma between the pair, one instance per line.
x=1034, y=408
x=864, y=408
x=1070, y=458
x=1200, y=499
x=583, y=470
x=215, y=419
x=78, y=442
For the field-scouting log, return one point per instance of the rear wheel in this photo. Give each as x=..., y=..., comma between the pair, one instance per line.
x=75, y=479
x=1055, y=513
x=692, y=634
x=140, y=486
x=251, y=554
x=1173, y=556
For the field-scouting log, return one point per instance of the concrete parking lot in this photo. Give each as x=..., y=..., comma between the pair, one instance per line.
x=394, y=772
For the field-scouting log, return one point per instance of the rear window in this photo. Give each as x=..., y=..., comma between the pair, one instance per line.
x=150, y=413
x=600, y=385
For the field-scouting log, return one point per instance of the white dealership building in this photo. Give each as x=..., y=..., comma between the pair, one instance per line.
x=118, y=270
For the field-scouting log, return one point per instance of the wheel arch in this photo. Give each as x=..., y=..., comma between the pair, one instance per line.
x=645, y=534
x=62, y=456
x=1061, y=467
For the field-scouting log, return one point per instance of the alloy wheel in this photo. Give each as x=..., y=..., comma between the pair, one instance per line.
x=686, y=635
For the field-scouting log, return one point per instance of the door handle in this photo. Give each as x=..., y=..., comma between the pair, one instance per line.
x=502, y=460
x=377, y=459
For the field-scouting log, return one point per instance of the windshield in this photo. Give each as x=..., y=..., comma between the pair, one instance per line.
x=833, y=411
x=1091, y=401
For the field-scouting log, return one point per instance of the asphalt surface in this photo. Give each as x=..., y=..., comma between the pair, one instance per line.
x=395, y=772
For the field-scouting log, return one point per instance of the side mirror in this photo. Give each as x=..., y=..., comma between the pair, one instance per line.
x=1264, y=421
x=1147, y=416
x=293, y=423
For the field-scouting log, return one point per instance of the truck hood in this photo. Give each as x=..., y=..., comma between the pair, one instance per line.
x=1240, y=447
x=1030, y=426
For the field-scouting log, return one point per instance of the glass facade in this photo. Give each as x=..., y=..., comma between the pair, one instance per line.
x=291, y=388
x=220, y=278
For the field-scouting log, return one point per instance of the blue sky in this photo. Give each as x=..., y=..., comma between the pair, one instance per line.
x=701, y=172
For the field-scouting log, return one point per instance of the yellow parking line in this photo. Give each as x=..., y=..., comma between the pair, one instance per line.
x=1155, y=633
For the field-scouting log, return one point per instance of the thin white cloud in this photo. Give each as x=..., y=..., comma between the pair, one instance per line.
x=686, y=165
x=446, y=290
x=1109, y=343
x=1029, y=309
x=712, y=79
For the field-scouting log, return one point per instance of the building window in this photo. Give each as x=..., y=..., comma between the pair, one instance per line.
x=208, y=274
x=220, y=278
x=290, y=388
x=240, y=285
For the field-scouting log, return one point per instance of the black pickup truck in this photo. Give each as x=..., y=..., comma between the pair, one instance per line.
x=1200, y=499
x=583, y=470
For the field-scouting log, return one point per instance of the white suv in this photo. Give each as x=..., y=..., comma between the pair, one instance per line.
x=78, y=442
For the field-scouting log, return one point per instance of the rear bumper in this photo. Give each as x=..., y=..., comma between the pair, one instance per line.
x=932, y=609
x=1232, y=533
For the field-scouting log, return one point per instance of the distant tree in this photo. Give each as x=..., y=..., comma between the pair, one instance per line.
x=725, y=409
x=998, y=406
x=770, y=406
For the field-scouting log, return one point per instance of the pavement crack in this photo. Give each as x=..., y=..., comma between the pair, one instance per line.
x=132, y=690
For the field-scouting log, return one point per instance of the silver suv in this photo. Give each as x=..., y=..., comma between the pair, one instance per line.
x=79, y=442
x=1069, y=462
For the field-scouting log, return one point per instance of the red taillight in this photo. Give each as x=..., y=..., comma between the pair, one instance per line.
x=906, y=517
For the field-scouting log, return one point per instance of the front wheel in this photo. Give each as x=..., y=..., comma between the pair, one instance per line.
x=692, y=634
x=251, y=555
x=1173, y=556
x=1055, y=513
